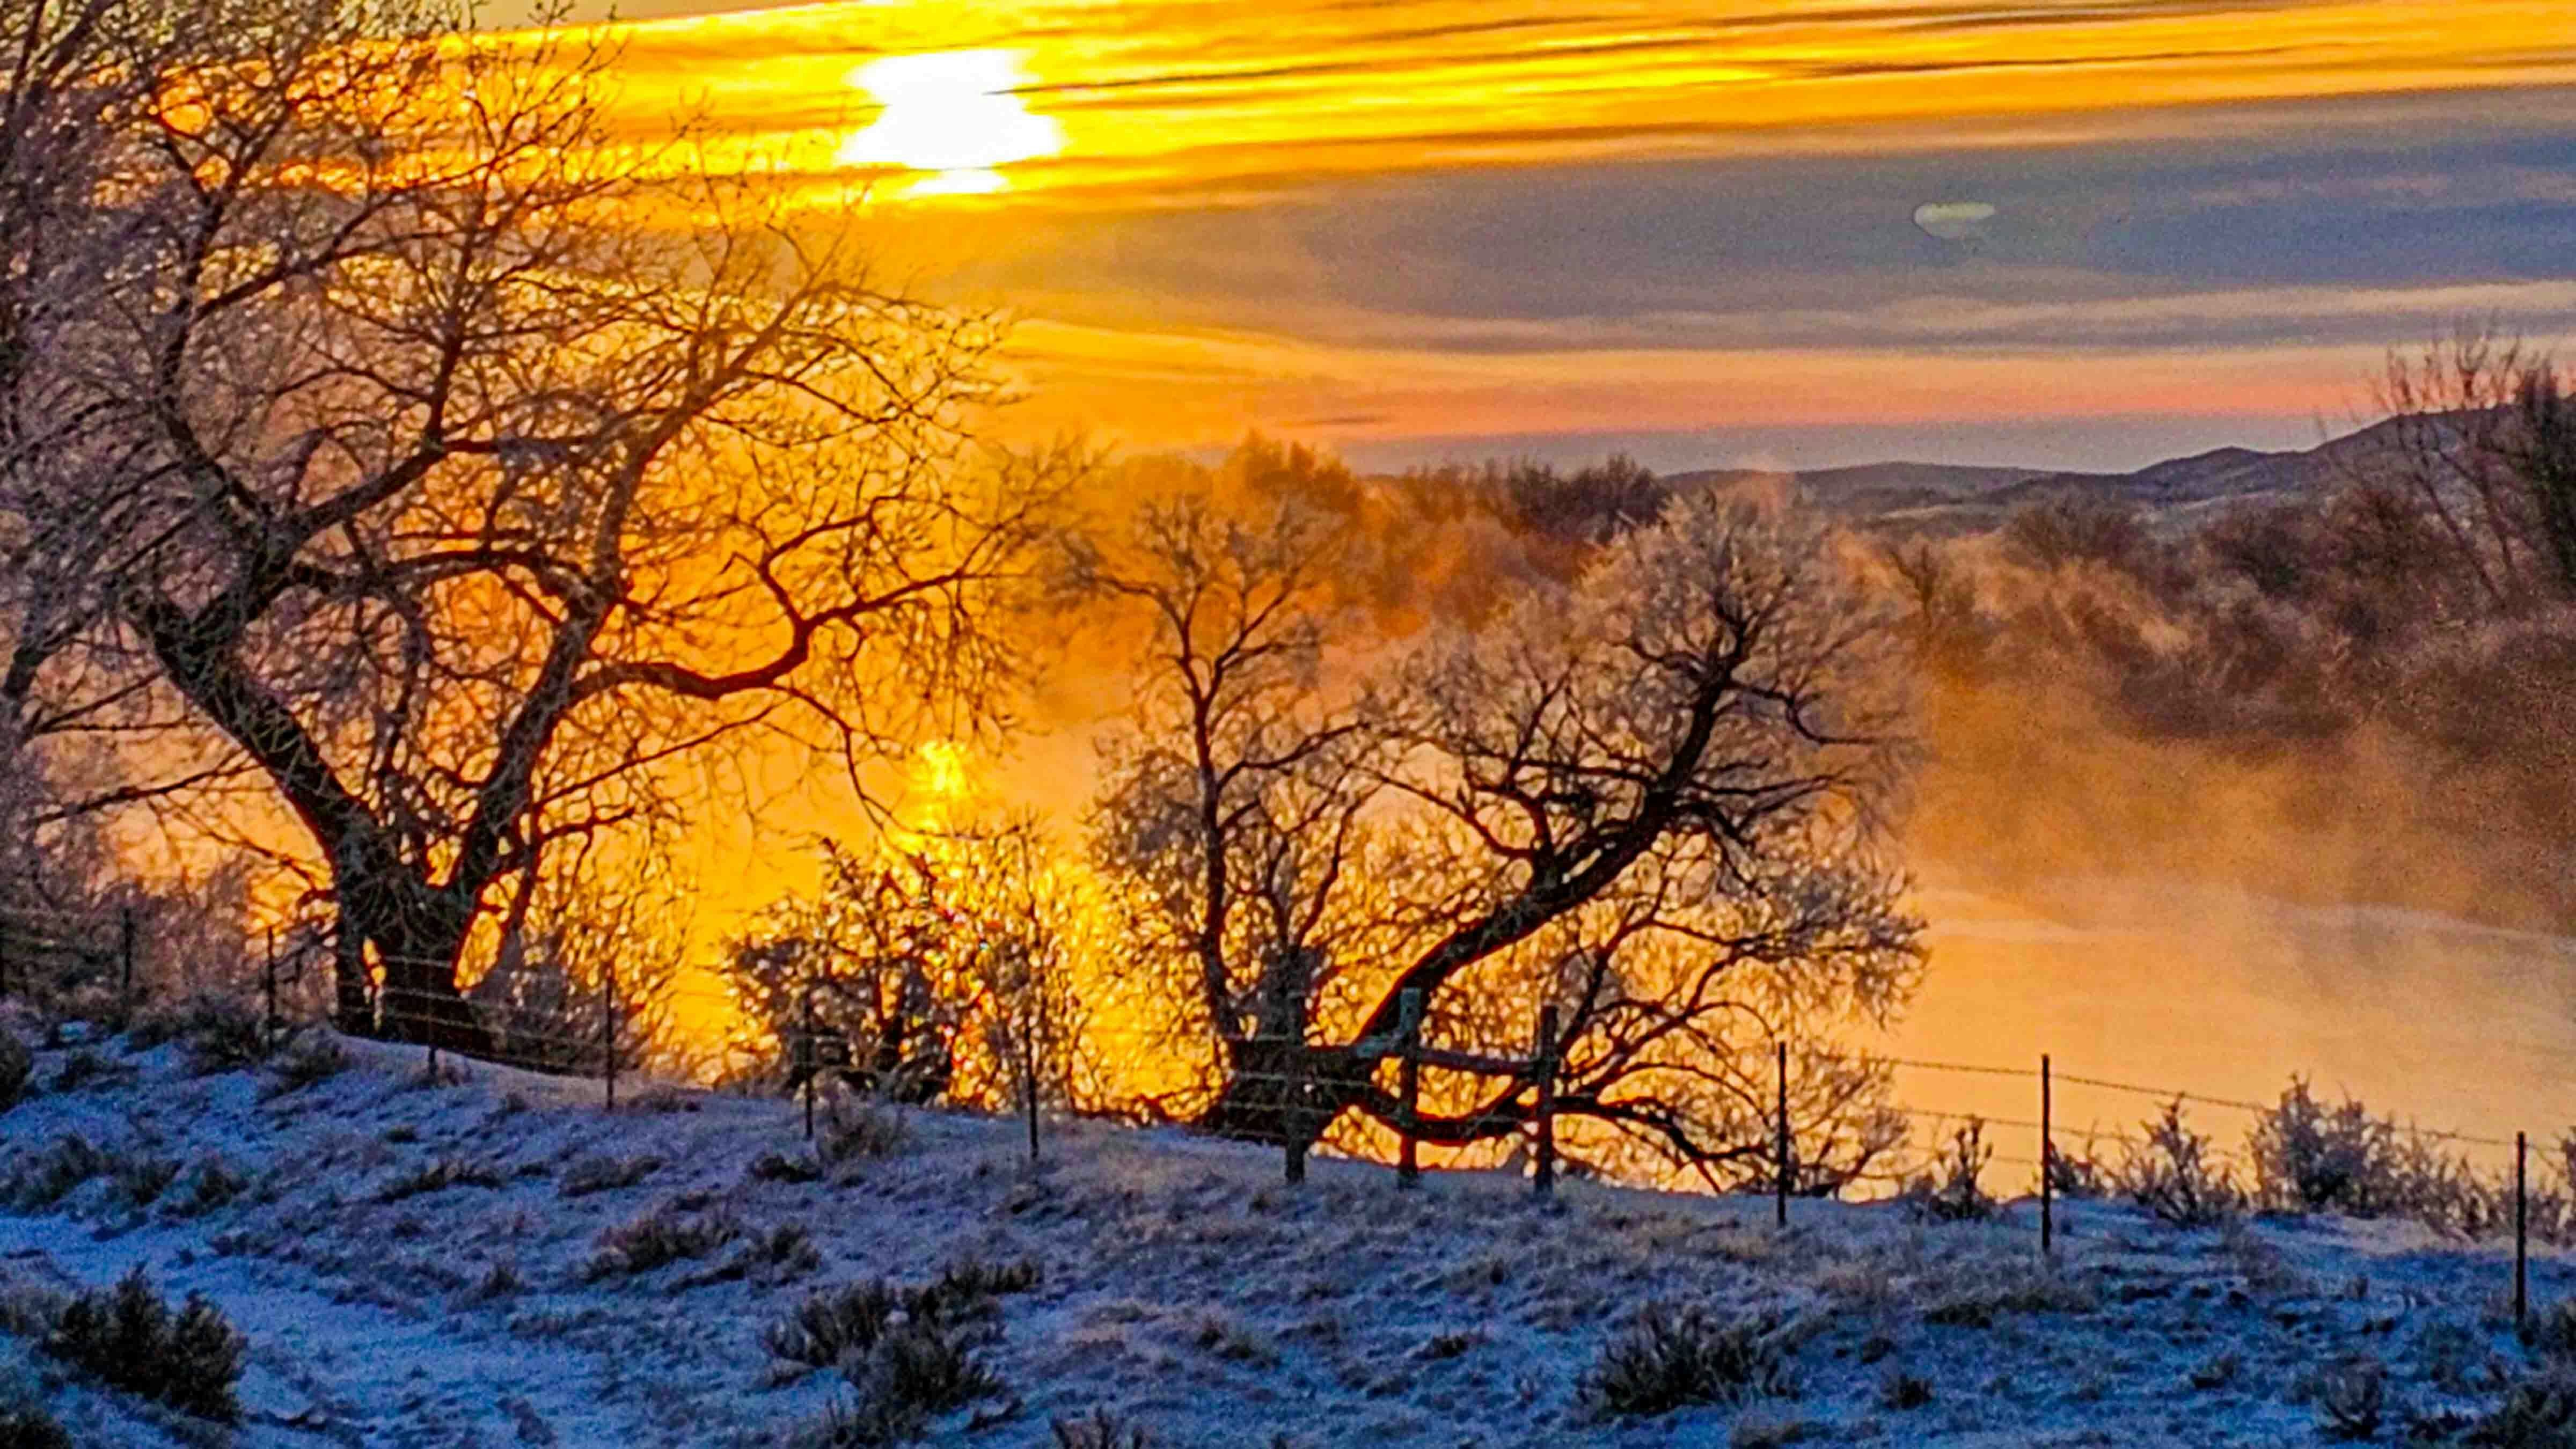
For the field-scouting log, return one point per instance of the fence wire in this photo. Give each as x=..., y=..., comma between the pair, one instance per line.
x=1270, y=1092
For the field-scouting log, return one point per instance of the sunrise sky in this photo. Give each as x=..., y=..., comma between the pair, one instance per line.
x=2087, y=234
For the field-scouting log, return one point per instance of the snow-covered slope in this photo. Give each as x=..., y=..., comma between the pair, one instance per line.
x=1184, y=1288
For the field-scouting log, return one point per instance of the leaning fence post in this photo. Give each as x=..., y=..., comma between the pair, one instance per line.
x=1408, y=1165
x=2047, y=1190
x=1544, y=1182
x=1780, y=1199
x=2521, y=1234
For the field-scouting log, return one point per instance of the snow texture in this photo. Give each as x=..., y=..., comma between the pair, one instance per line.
x=1184, y=1287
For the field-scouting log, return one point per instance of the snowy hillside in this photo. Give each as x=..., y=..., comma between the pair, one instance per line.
x=458, y=1264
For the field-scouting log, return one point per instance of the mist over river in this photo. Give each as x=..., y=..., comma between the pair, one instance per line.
x=2223, y=993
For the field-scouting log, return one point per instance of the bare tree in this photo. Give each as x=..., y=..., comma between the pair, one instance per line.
x=2448, y=446
x=1231, y=813
x=476, y=471
x=72, y=77
x=943, y=959
x=1650, y=798
x=2542, y=449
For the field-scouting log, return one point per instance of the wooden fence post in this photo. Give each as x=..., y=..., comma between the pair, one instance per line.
x=1544, y=1181
x=2047, y=1191
x=2521, y=1234
x=1408, y=1166
x=1780, y=1214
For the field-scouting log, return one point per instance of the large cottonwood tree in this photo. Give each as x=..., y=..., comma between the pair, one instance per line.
x=466, y=466
x=1653, y=797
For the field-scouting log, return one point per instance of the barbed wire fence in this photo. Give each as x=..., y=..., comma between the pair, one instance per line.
x=1288, y=1093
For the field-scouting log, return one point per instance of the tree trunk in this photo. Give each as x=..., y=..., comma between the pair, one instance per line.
x=1281, y=1091
x=418, y=933
x=353, y=990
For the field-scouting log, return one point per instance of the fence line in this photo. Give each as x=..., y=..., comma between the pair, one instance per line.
x=589, y=1030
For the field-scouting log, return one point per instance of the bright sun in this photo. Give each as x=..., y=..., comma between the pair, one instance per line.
x=954, y=114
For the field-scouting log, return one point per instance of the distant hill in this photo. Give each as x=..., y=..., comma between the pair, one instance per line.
x=1948, y=498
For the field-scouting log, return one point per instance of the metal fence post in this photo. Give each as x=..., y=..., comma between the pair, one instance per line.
x=1408, y=1166
x=268, y=992
x=608, y=1033
x=1292, y=1115
x=2521, y=1234
x=2047, y=1189
x=1029, y=1090
x=1780, y=1201
x=1543, y=1182
x=125, y=956
x=809, y=1060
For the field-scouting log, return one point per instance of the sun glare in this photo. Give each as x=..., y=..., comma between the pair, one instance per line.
x=955, y=115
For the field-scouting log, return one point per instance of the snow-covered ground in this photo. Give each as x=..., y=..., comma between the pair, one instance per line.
x=1183, y=1286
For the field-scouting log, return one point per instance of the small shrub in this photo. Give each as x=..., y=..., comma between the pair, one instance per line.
x=142, y=1178
x=1440, y=1347
x=501, y=1280
x=1758, y=1430
x=1990, y=1295
x=52, y=1174
x=1100, y=1429
x=1233, y=1342
x=2537, y=1413
x=784, y=1252
x=442, y=1174
x=2078, y=1176
x=1949, y=1191
x=922, y=1366
x=2309, y=1157
x=1671, y=1358
x=1902, y=1392
x=854, y=1130
x=208, y=1187
x=2265, y=1268
x=771, y=1167
x=607, y=1174
x=217, y=1033
x=2352, y=1399
x=658, y=1239
x=832, y=1324
x=28, y=1426
x=17, y=1067
x=2172, y=1176
x=967, y=1287
x=127, y=1337
x=915, y=1371
x=2218, y=1372
x=310, y=1061
x=85, y=1066
x=2551, y=1331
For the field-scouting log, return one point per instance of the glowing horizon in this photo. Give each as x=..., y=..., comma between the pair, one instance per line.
x=1216, y=219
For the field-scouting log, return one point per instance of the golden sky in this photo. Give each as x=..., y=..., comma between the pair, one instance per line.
x=1714, y=231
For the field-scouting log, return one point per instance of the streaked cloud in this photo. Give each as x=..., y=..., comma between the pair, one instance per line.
x=1442, y=220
